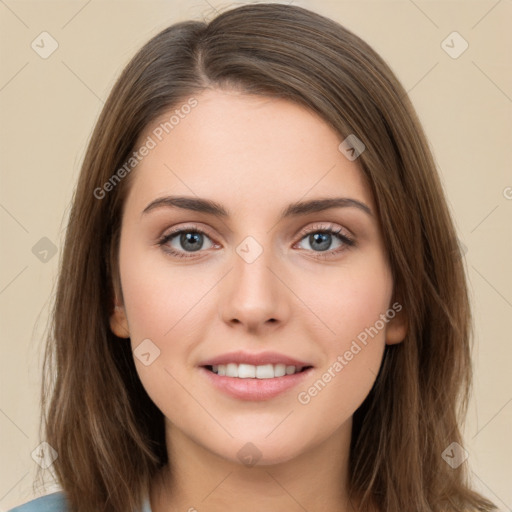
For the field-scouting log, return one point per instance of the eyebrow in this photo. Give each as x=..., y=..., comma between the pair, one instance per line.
x=294, y=209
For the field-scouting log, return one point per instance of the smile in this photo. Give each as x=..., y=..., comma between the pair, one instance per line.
x=249, y=371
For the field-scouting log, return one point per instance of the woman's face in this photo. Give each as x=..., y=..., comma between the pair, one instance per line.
x=253, y=284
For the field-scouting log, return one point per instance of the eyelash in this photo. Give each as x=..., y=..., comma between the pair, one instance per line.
x=346, y=240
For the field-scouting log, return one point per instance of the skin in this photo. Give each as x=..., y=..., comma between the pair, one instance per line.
x=253, y=155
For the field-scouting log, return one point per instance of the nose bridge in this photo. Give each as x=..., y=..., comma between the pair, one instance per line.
x=253, y=295
x=253, y=281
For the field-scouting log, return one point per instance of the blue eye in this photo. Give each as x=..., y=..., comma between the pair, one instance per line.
x=190, y=240
x=183, y=243
x=321, y=240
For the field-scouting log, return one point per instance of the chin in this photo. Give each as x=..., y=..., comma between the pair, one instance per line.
x=260, y=451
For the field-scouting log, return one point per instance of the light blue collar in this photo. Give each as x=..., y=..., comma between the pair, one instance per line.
x=146, y=507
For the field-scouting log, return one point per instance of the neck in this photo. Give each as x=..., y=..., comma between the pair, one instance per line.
x=198, y=479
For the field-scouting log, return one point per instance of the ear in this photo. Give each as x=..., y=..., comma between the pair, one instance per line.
x=119, y=322
x=397, y=327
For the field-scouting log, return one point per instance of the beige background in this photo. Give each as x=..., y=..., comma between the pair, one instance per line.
x=49, y=106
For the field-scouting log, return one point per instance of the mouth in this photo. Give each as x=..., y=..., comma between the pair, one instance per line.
x=254, y=377
x=249, y=371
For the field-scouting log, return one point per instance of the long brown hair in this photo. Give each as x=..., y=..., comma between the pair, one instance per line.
x=107, y=432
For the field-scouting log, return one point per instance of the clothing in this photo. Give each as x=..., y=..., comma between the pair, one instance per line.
x=56, y=502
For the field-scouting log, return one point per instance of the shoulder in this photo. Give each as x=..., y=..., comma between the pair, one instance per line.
x=55, y=502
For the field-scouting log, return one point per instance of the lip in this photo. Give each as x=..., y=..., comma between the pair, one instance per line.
x=254, y=389
x=261, y=358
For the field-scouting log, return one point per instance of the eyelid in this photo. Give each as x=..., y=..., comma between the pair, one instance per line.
x=326, y=226
x=186, y=227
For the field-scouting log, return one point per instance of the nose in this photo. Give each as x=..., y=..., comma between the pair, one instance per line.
x=253, y=296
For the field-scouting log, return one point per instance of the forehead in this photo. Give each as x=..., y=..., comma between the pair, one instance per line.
x=244, y=149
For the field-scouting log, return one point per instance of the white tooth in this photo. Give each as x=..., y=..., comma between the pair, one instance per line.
x=246, y=371
x=231, y=370
x=265, y=371
x=290, y=370
x=279, y=370
x=249, y=371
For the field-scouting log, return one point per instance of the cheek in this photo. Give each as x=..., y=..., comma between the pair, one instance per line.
x=167, y=306
x=351, y=335
x=159, y=302
x=159, y=298
x=343, y=302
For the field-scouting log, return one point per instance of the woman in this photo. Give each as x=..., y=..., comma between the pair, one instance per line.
x=261, y=301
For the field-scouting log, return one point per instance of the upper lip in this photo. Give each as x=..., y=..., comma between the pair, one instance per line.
x=255, y=359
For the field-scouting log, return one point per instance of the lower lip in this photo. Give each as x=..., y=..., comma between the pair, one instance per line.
x=255, y=389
